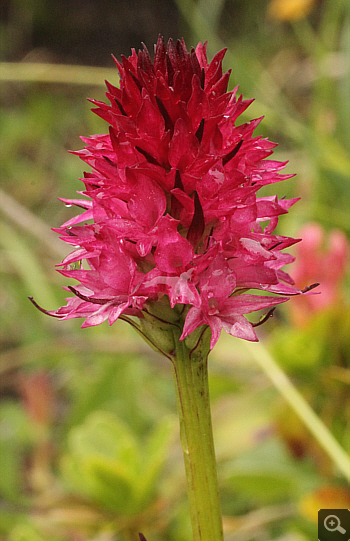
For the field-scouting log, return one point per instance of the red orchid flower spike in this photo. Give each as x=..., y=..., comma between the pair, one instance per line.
x=171, y=208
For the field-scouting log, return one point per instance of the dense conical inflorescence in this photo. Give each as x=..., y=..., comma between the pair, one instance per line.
x=171, y=207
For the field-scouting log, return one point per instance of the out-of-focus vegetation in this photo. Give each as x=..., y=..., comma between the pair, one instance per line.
x=89, y=441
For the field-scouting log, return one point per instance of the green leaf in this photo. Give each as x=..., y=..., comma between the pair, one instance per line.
x=15, y=435
x=155, y=453
x=103, y=462
x=24, y=533
x=267, y=474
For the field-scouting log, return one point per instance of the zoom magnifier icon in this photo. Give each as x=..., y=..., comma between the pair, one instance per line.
x=332, y=524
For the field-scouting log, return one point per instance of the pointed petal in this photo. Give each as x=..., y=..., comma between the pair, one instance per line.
x=245, y=304
x=147, y=202
x=183, y=147
x=240, y=327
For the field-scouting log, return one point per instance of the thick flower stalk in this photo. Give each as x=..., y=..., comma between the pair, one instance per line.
x=173, y=235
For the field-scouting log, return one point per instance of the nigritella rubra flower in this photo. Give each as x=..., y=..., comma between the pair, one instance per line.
x=172, y=226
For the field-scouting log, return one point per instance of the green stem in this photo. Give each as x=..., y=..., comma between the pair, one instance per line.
x=34, y=72
x=192, y=390
x=316, y=426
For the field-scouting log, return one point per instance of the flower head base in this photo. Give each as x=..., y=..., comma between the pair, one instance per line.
x=171, y=208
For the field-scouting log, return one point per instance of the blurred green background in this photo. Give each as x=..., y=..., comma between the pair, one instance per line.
x=89, y=444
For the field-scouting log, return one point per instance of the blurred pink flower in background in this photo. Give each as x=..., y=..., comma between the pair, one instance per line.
x=322, y=257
